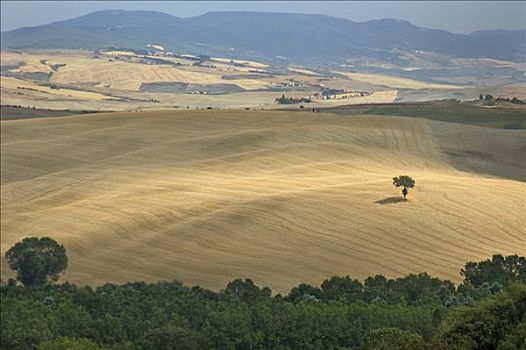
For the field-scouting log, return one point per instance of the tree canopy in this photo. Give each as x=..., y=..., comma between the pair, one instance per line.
x=501, y=269
x=413, y=312
x=405, y=181
x=37, y=260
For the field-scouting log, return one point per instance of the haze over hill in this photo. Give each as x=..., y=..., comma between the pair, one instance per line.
x=270, y=36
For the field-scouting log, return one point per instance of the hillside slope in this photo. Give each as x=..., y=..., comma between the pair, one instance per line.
x=283, y=198
x=271, y=36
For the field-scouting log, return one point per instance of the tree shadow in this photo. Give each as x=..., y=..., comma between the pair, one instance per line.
x=391, y=200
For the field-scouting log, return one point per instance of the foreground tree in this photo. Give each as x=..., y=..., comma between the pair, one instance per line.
x=393, y=339
x=65, y=343
x=500, y=269
x=406, y=181
x=37, y=260
x=167, y=338
x=415, y=312
x=493, y=323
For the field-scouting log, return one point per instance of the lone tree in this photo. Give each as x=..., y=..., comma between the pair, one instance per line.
x=406, y=181
x=36, y=260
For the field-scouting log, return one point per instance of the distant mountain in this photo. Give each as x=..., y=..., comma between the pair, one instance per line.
x=273, y=36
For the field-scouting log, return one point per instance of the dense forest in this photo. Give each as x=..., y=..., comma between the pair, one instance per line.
x=486, y=311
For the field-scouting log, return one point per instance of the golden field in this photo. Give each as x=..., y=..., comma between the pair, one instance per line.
x=281, y=197
x=118, y=81
x=114, y=74
x=397, y=82
x=23, y=86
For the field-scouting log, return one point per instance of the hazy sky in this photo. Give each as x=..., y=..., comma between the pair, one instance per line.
x=456, y=16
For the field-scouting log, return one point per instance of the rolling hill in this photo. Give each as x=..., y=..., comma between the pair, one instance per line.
x=280, y=197
x=271, y=36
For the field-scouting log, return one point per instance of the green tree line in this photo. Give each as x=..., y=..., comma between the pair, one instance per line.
x=486, y=311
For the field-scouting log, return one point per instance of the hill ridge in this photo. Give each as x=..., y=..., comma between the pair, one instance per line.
x=246, y=34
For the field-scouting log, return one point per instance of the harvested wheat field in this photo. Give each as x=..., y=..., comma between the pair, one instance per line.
x=281, y=197
x=397, y=82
